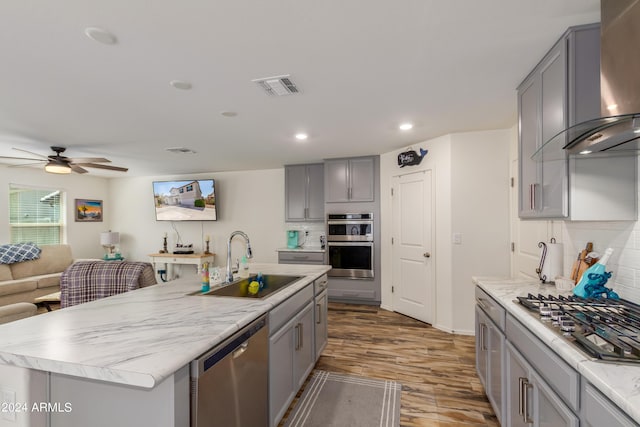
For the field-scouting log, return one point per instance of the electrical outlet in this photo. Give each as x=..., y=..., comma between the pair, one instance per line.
x=8, y=402
x=457, y=238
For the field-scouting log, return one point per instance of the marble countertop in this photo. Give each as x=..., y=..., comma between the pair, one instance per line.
x=619, y=382
x=140, y=337
x=302, y=249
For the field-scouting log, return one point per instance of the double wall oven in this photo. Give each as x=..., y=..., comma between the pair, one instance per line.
x=350, y=245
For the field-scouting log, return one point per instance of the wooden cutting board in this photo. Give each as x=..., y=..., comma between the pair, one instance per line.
x=583, y=264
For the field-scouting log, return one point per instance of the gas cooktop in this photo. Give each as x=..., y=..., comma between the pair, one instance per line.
x=605, y=329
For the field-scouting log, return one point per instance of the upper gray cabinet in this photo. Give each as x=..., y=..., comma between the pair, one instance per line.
x=304, y=192
x=563, y=90
x=349, y=180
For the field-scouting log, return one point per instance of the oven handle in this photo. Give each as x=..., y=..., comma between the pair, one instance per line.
x=350, y=222
x=370, y=244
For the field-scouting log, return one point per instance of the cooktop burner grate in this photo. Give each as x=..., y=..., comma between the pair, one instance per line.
x=605, y=329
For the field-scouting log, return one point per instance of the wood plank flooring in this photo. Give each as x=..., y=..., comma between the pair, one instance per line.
x=436, y=369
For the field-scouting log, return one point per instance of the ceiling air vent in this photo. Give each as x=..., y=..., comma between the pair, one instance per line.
x=180, y=150
x=277, y=85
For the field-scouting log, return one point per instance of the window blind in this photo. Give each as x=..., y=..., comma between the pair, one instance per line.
x=35, y=215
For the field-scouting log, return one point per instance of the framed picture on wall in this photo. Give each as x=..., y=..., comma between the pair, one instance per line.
x=88, y=210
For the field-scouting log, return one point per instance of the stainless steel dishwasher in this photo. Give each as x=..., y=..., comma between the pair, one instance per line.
x=229, y=383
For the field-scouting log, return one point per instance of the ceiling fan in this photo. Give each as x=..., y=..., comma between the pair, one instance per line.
x=56, y=163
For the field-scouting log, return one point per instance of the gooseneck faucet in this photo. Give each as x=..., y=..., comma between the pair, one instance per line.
x=229, y=274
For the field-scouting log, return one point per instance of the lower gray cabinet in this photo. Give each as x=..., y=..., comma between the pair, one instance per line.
x=530, y=400
x=301, y=257
x=291, y=358
x=597, y=410
x=489, y=354
x=322, y=301
x=490, y=341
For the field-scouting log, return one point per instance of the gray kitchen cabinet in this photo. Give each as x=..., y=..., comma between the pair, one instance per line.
x=597, y=410
x=291, y=350
x=304, y=192
x=490, y=341
x=349, y=180
x=321, y=326
x=530, y=400
x=563, y=90
x=541, y=388
x=301, y=257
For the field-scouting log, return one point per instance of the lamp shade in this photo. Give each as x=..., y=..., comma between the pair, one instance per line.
x=109, y=238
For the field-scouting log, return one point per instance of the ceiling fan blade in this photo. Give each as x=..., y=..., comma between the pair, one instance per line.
x=31, y=152
x=78, y=169
x=78, y=160
x=22, y=158
x=38, y=162
x=97, y=166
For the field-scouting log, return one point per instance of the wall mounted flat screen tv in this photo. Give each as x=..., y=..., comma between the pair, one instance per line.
x=188, y=200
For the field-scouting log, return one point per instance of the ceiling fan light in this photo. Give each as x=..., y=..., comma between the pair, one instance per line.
x=55, y=167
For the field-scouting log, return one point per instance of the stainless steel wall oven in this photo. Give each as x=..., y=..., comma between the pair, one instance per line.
x=350, y=245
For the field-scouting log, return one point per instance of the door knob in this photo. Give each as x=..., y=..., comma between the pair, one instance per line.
x=426, y=255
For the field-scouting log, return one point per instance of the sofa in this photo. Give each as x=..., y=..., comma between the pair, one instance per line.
x=24, y=281
x=17, y=311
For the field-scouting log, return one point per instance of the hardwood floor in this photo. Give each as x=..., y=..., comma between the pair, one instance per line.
x=436, y=369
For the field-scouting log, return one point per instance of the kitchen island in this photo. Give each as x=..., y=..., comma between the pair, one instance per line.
x=138, y=343
x=616, y=383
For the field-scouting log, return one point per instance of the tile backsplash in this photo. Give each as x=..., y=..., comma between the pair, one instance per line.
x=623, y=237
x=315, y=230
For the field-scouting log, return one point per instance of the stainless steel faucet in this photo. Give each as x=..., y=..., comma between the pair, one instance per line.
x=229, y=275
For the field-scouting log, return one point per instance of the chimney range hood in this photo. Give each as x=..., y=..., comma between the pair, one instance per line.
x=618, y=130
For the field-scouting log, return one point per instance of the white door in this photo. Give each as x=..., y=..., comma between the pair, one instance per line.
x=413, y=273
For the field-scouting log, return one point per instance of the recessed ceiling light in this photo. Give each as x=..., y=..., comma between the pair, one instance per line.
x=585, y=152
x=405, y=126
x=301, y=136
x=229, y=113
x=179, y=84
x=612, y=107
x=100, y=35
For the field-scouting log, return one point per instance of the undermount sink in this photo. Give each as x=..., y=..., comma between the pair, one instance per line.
x=240, y=288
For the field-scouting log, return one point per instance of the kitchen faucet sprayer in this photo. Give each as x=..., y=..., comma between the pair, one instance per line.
x=229, y=275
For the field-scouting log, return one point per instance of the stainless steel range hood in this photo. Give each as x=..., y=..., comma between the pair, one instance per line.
x=618, y=131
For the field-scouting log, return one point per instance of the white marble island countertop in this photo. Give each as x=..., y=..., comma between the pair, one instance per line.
x=141, y=337
x=620, y=382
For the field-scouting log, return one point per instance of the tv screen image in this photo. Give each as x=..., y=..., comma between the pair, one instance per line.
x=187, y=200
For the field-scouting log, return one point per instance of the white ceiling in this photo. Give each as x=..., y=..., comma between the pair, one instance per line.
x=364, y=66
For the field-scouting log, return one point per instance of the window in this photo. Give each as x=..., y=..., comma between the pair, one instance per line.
x=35, y=215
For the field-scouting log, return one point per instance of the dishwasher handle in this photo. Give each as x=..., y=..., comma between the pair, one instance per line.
x=236, y=346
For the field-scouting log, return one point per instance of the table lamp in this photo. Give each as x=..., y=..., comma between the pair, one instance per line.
x=109, y=240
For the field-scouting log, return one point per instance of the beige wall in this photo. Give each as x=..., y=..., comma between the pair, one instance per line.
x=251, y=201
x=471, y=196
x=83, y=237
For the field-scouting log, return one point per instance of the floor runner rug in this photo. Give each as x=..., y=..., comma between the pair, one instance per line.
x=336, y=400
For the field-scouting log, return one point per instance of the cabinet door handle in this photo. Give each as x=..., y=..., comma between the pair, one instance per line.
x=523, y=399
x=483, y=345
x=319, y=312
x=532, y=196
x=296, y=336
x=301, y=332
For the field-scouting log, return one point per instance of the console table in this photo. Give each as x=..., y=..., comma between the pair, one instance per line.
x=171, y=259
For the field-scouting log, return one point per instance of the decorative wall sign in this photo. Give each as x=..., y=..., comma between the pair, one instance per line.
x=88, y=210
x=411, y=158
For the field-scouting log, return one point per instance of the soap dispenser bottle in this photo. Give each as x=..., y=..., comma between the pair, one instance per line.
x=244, y=267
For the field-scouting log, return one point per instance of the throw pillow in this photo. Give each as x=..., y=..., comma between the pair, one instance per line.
x=18, y=252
